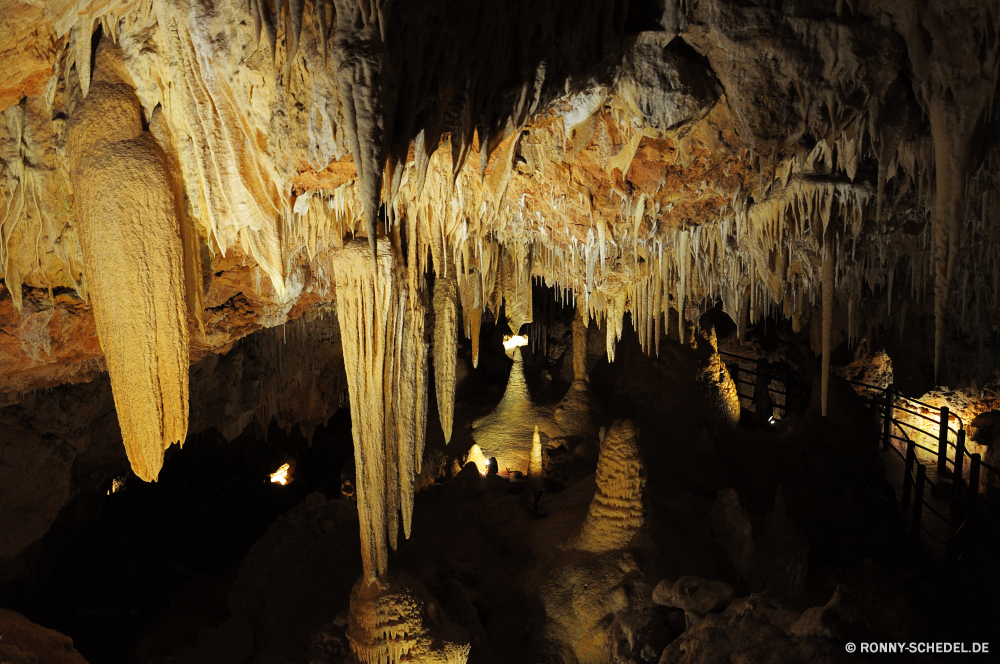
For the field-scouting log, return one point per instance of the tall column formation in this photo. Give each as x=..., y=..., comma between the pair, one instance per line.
x=579, y=348
x=130, y=234
x=395, y=619
x=382, y=329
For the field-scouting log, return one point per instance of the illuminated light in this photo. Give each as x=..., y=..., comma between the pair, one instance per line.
x=514, y=341
x=117, y=485
x=771, y=420
x=283, y=475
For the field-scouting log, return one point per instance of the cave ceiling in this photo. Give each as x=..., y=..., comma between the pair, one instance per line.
x=826, y=161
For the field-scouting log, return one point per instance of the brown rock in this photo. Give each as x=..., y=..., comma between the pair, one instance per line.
x=24, y=642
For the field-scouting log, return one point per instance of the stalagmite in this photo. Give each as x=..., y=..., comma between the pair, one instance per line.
x=829, y=274
x=445, y=343
x=394, y=619
x=134, y=258
x=716, y=375
x=616, y=517
x=536, y=478
x=506, y=432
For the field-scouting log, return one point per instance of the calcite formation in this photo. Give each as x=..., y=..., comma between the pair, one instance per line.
x=615, y=517
x=380, y=319
x=226, y=166
x=130, y=237
x=770, y=556
x=645, y=172
x=394, y=619
x=506, y=433
x=445, y=341
x=721, y=383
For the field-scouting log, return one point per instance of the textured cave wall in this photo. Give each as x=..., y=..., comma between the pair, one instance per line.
x=65, y=441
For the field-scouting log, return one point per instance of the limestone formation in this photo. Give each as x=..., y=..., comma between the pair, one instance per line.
x=506, y=433
x=615, y=517
x=24, y=642
x=835, y=165
x=573, y=415
x=635, y=176
x=721, y=383
x=393, y=619
x=379, y=322
x=445, y=341
x=134, y=263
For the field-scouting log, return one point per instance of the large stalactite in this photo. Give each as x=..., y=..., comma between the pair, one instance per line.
x=381, y=323
x=133, y=255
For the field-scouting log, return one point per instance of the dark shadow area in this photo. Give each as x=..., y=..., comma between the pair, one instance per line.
x=115, y=563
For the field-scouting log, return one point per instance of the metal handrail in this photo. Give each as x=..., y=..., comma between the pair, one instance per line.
x=913, y=412
x=915, y=428
x=860, y=384
x=989, y=467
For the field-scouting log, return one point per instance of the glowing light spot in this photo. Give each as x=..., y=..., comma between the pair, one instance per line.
x=117, y=485
x=477, y=457
x=283, y=475
x=515, y=341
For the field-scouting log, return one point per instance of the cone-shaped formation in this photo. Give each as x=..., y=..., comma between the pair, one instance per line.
x=445, y=343
x=471, y=292
x=722, y=385
x=616, y=515
x=381, y=324
x=506, y=432
x=394, y=619
x=535, y=472
x=130, y=233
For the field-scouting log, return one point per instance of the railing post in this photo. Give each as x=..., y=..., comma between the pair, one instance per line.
x=974, y=467
x=918, y=504
x=911, y=456
x=887, y=421
x=942, y=456
x=959, y=457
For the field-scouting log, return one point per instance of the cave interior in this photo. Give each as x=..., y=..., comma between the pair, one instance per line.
x=575, y=332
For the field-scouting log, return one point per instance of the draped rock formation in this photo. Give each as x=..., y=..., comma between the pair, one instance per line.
x=133, y=257
x=445, y=341
x=380, y=320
